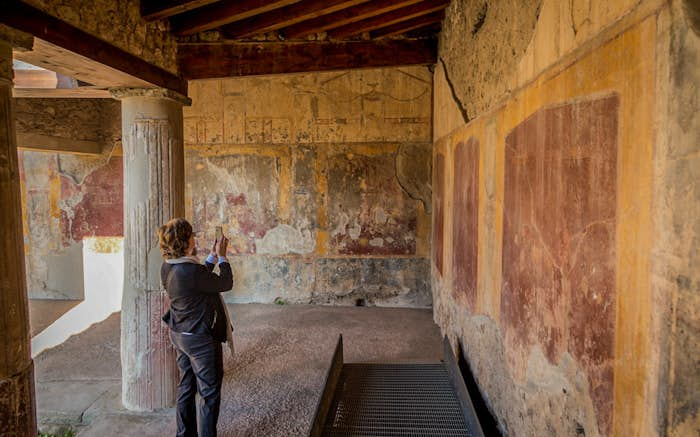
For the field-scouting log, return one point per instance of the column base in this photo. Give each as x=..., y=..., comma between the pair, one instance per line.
x=149, y=371
x=17, y=404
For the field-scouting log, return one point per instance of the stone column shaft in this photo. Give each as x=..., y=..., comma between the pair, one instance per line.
x=17, y=404
x=153, y=194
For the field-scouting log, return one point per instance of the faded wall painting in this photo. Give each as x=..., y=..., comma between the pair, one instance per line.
x=558, y=262
x=368, y=211
x=65, y=199
x=439, y=211
x=322, y=180
x=465, y=239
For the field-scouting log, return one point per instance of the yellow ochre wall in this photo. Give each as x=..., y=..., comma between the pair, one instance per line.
x=626, y=51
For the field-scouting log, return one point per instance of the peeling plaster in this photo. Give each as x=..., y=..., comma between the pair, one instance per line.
x=283, y=239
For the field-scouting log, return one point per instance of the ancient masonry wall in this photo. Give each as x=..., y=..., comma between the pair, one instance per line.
x=120, y=24
x=566, y=211
x=69, y=199
x=320, y=180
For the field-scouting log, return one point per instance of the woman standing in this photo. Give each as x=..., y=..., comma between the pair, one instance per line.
x=198, y=323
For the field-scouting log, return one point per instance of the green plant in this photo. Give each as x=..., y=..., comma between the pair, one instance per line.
x=66, y=433
x=280, y=301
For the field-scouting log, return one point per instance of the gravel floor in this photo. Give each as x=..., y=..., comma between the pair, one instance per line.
x=270, y=387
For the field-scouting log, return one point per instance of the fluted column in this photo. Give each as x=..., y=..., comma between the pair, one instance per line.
x=154, y=192
x=17, y=403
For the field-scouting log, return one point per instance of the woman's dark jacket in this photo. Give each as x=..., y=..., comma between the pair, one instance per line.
x=195, y=304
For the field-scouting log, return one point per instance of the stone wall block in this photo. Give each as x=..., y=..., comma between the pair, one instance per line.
x=119, y=23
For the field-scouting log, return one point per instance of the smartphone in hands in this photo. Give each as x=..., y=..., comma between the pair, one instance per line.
x=219, y=233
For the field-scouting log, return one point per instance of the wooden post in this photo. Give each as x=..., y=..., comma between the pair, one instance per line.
x=17, y=402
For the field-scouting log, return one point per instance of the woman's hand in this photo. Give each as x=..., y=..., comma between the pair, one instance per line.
x=213, y=247
x=223, y=246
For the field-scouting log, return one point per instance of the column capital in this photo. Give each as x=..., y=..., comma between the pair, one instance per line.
x=158, y=93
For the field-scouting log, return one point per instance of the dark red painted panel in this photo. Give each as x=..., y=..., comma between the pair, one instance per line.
x=465, y=242
x=559, y=240
x=438, y=210
x=99, y=212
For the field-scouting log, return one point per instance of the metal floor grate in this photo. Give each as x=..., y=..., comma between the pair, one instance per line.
x=395, y=400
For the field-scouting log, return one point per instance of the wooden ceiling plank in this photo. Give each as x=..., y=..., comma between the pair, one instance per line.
x=344, y=16
x=277, y=19
x=21, y=16
x=62, y=93
x=221, y=13
x=408, y=25
x=389, y=18
x=154, y=10
x=49, y=143
x=245, y=59
x=40, y=79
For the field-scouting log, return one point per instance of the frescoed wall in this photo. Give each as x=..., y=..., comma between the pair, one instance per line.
x=554, y=263
x=67, y=198
x=321, y=181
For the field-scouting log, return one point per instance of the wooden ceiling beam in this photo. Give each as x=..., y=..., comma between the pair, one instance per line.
x=277, y=19
x=62, y=93
x=221, y=13
x=344, y=16
x=389, y=18
x=244, y=59
x=67, y=63
x=50, y=143
x=153, y=10
x=408, y=25
x=26, y=18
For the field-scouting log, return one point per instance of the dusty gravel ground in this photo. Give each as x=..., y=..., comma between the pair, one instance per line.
x=271, y=386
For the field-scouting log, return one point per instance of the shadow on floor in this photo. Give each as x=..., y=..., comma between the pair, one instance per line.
x=43, y=312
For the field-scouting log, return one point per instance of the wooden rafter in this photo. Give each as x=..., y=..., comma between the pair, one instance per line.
x=286, y=16
x=408, y=25
x=389, y=18
x=152, y=10
x=425, y=32
x=50, y=143
x=243, y=59
x=21, y=16
x=221, y=13
x=344, y=16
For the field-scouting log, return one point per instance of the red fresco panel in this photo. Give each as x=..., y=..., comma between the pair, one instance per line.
x=99, y=213
x=438, y=210
x=465, y=241
x=559, y=240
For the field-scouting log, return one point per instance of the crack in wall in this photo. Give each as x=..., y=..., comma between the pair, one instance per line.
x=461, y=107
x=415, y=194
x=398, y=180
